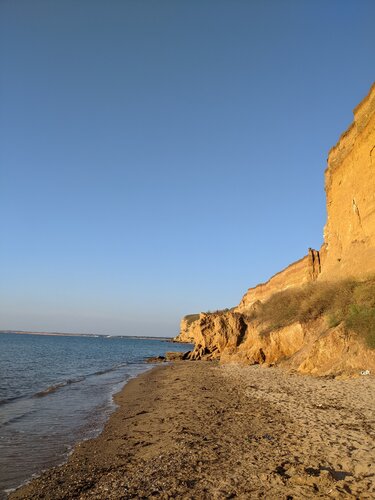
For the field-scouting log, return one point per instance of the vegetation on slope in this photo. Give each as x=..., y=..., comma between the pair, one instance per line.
x=349, y=302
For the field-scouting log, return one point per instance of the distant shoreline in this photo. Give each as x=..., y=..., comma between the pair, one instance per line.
x=62, y=334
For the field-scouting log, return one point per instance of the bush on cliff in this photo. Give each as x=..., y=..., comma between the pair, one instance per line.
x=349, y=302
x=362, y=321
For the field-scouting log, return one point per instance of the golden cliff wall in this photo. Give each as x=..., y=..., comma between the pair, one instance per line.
x=307, y=347
x=298, y=273
x=186, y=328
x=349, y=234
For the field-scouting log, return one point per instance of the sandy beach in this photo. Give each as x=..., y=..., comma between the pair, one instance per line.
x=202, y=430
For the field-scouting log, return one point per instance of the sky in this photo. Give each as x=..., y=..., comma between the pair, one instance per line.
x=158, y=158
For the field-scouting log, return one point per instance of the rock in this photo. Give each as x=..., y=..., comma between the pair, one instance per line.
x=186, y=329
x=177, y=356
x=155, y=359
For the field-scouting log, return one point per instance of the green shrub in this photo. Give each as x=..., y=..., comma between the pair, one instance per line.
x=364, y=294
x=361, y=319
x=333, y=320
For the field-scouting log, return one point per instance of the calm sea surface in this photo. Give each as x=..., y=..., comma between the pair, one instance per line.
x=55, y=391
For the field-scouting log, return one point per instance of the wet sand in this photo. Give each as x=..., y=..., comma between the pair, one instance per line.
x=203, y=431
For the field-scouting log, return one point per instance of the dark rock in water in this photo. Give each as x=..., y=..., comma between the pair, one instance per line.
x=169, y=356
x=177, y=356
x=156, y=359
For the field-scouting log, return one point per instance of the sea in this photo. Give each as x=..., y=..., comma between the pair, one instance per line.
x=58, y=390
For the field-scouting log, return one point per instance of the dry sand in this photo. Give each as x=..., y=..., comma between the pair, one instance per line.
x=200, y=430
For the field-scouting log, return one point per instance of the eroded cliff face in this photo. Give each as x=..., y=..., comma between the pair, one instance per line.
x=187, y=329
x=298, y=273
x=349, y=234
x=215, y=332
x=348, y=251
x=310, y=347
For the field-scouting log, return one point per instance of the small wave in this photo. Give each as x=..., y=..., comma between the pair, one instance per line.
x=49, y=390
x=10, y=400
x=56, y=387
x=53, y=388
x=17, y=418
x=102, y=372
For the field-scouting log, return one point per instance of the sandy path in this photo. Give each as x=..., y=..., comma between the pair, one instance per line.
x=199, y=430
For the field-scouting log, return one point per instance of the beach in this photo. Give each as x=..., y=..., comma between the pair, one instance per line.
x=204, y=430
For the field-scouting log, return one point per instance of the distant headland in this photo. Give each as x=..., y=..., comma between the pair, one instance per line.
x=64, y=334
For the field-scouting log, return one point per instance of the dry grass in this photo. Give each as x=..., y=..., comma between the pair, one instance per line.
x=349, y=302
x=190, y=318
x=220, y=311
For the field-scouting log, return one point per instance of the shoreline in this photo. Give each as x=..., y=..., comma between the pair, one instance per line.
x=56, y=394
x=91, y=430
x=198, y=429
x=83, y=439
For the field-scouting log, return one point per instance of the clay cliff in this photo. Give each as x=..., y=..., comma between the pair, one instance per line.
x=303, y=271
x=324, y=340
x=349, y=234
x=186, y=328
x=307, y=347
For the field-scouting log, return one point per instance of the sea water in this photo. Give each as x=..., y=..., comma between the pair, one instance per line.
x=56, y=391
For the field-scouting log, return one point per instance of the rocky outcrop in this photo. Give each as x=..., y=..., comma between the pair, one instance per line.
x=348, y=251
x=235, y=336
x=215, y=332
x=169, y=356
x=310, y=347
x=187, y=329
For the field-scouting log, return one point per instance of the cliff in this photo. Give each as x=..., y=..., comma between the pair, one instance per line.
x=186, y=329
x=307, y=347
x=303, y=271
x=323, y=340
x=349, y=234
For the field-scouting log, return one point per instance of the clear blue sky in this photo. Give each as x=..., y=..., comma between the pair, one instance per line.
x=160, y=157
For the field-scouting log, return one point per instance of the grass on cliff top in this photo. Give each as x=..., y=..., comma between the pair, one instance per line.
x=190, y=318
x=349, y=302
